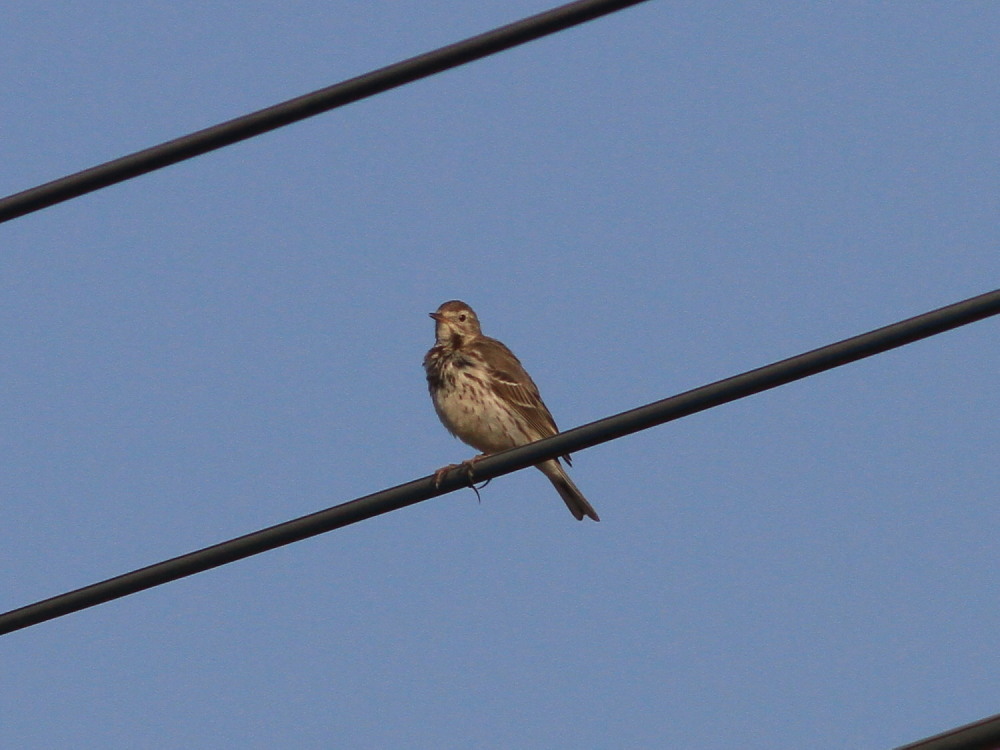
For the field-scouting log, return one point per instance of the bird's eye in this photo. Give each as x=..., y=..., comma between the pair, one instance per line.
x=461, y=318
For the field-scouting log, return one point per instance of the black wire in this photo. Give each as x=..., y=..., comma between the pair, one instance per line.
x=293, y=110
x=699, y=399
x=979, y=735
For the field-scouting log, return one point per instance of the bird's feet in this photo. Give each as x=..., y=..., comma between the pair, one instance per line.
x=439, y=475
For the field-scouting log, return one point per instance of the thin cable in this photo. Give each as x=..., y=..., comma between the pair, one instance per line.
x=308, y=105
x=979, y=735
x=699, y=399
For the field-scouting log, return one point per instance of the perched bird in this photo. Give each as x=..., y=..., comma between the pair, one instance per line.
x=485, y=398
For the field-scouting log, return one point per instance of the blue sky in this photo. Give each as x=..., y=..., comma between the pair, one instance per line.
x=653, y=201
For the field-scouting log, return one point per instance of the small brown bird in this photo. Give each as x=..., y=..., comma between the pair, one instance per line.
x=485, y=398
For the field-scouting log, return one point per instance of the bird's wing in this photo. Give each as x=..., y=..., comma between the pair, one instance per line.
x=510, y=382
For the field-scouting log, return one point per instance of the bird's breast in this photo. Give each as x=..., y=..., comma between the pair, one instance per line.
x=466, y=404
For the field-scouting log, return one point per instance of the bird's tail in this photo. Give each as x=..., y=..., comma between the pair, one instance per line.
x=568, y=491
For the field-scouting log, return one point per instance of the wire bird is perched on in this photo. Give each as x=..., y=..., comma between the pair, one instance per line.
x=485, y=398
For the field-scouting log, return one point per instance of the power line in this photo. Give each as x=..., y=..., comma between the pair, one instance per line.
x=604, y=430
x=979, y=735
x=308, y=105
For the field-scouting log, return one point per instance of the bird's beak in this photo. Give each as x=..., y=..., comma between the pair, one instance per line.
x=436, y=316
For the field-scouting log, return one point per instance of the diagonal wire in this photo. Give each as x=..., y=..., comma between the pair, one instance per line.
x=979, y=735
x=706, y=397
x=308, y=105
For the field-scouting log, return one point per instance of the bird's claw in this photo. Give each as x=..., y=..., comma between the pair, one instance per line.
x=468, y=465
x=440, y=474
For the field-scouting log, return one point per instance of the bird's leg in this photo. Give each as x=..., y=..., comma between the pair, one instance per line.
x=440, y=473
x=469, y=465
x=469, y=472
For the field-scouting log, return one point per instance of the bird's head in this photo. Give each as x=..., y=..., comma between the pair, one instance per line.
x=456, y=322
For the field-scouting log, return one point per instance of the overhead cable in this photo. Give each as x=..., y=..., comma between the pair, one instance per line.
x=626, y=423
x=979, y=735
x=308, y=105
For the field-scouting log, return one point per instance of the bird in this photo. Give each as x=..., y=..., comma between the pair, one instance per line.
x=484, y=397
